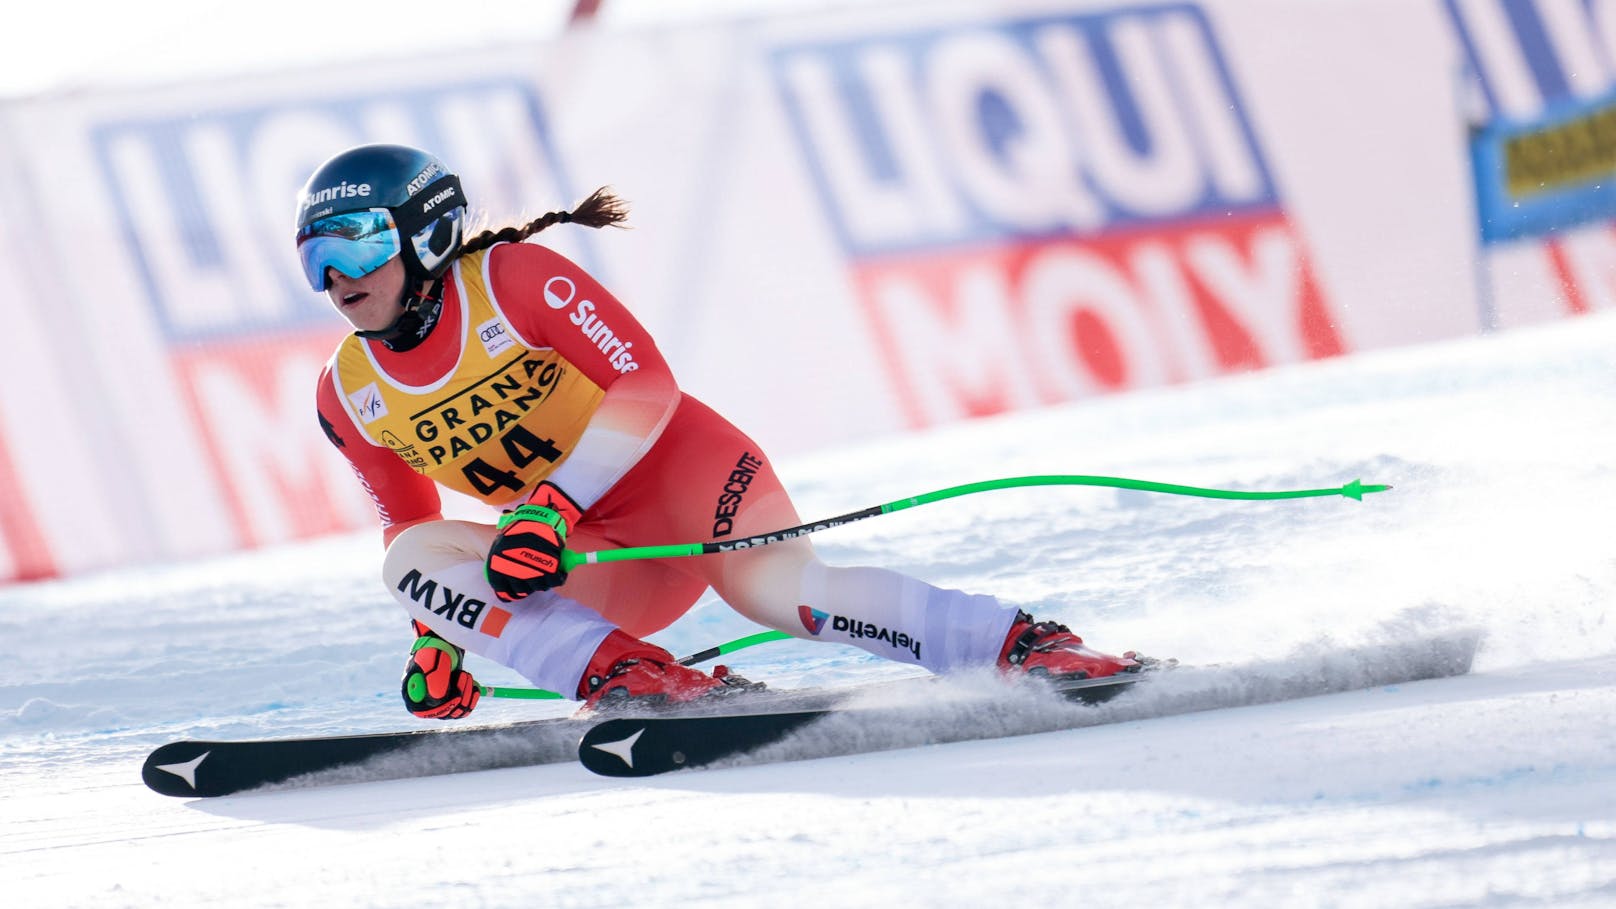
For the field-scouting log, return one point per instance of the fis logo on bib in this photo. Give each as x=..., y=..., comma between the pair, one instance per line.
x=815, y=622
x=368, y=403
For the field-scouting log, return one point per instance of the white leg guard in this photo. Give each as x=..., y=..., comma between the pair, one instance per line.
x=436, y=572
x=898, y=617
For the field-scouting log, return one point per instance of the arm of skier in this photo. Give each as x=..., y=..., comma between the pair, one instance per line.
x=551, y=303
x=597, y=335
x=403, y=497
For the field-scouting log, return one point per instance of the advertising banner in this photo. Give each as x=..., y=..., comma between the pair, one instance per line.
x=1042, y=209
x=877, y=219
x=1542, y=92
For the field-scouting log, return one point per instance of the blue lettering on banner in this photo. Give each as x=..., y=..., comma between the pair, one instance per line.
x=205, y=199
x=1054, y=126
x=1037, y=210
x=1524, y=57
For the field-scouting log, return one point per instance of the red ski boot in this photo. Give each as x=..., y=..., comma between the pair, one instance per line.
x=1052, y=651
x=627, y=670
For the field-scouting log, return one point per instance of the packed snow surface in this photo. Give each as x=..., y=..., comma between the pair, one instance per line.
x=1493, y=789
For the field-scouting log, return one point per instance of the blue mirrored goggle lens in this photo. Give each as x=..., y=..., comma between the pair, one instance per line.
x=355, y=243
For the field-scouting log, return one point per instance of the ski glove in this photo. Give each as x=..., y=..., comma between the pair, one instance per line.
x=435, y=687
x=526, y=556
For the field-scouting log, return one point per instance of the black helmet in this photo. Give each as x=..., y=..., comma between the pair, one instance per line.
x=373, y=202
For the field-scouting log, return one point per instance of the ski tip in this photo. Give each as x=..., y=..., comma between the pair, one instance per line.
x=172, y=770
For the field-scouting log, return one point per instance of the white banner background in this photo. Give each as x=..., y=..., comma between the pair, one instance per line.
x=843, y=226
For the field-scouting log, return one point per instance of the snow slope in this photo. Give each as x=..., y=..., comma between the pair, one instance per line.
x=1495, y=789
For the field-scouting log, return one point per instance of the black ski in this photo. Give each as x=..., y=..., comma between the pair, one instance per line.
x=727, y=729
x=205, y=769
x=641, y=746
x=646, y=746
x=192, y=769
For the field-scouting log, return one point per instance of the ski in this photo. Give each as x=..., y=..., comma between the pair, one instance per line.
x=647, y=746
x=205, y=769
x=208, y=769
x=702, y=734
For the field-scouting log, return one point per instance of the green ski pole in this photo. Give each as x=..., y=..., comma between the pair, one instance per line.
x=570, y=560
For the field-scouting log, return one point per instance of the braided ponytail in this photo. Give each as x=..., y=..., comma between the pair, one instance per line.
x=601, y=209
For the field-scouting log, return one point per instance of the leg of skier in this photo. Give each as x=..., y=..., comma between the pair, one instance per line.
x=712, y=482
x=704, y=480
x=786, y=586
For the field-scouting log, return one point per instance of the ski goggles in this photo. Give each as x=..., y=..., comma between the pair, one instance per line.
x=355, y=243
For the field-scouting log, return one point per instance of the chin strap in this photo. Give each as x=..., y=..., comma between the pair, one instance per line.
x=414, y=323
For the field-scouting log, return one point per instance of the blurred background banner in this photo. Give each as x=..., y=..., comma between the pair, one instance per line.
x=1540, y=81
x=1040, y=209
x=847, y=222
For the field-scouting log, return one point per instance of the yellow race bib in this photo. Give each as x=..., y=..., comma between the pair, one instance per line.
x=493, y=427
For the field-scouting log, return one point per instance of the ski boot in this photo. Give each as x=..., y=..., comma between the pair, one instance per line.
x=1048, y=650
x=628, y=672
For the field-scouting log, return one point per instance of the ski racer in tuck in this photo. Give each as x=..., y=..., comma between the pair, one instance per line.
x=499, y=369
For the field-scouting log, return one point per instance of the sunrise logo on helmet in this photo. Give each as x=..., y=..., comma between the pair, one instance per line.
x=343, y=190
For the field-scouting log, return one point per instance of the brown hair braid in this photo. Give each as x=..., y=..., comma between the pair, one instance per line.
x=602, y=208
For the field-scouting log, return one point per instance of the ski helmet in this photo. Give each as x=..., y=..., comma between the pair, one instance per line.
x=373, y=202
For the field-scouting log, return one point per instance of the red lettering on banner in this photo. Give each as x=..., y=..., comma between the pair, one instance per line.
x=976, y=332
x=253, y=401
x=1575, y=302
x=19, y=530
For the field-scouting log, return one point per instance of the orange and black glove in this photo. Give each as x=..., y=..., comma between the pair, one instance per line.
x=435, y=687
x=526, y=556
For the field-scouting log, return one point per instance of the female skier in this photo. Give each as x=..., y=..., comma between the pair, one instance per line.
x=499, y=369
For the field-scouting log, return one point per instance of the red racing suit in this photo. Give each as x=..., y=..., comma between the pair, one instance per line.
x=535, y=371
